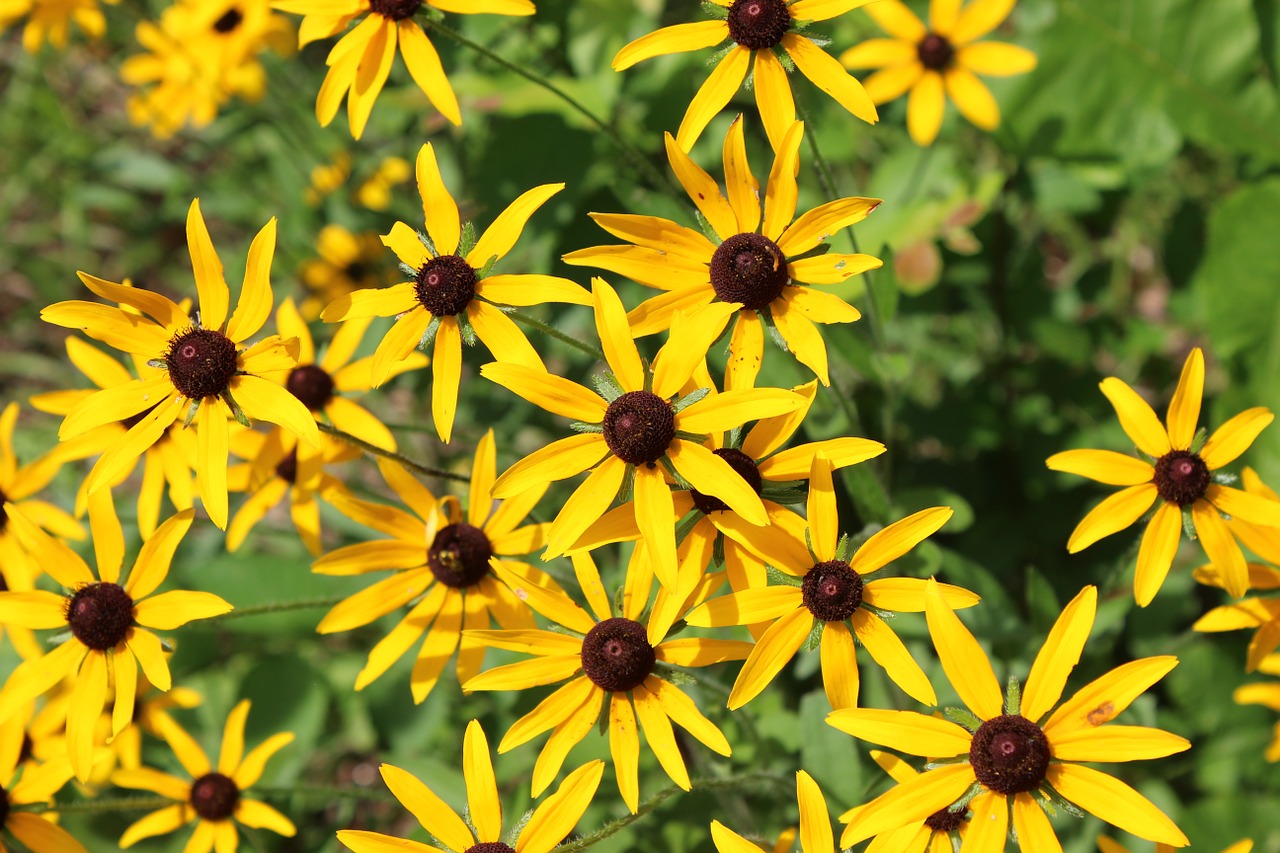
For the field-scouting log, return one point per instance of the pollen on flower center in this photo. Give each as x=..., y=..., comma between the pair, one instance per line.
x=616, y=655
x=748, y=268
x=287, y=468
x=758, y=24
x=214, y=796
x=201, y=363
x=100, y=615
x=459, y=556
x=229, y=21
x=395, y=10
x=445, y=285
x=832, y=591
x=936, y=52
x=639, y=426
x=311, y=384
x=1010, y=754
x=1181, y=477
x=743, y=465
x=490, y=847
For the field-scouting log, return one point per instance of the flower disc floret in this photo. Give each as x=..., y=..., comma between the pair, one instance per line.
x=311, y=384
x=945, y=820
x=230, y=20
x=201, y=363
x=749, y=268
x=459, y=555
x=214, y=796
x=100, y=615
x=287, y=468
x=832, y=591
x=639, y=426
x=743, y=465
x=1181, y=477
x=1010, y=754
x=395, y=10
x=616, y=655
x=758, y=24
x=936, y=52
x=445, y=285
x=490, y=847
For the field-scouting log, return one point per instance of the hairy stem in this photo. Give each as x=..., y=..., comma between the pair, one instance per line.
x=373, y=449
x=551, y=331
x=275, y=607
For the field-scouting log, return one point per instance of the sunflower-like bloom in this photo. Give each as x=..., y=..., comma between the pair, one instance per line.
x=1106, y=845
x=347, y=261
x=1260, y=614
x=166, y=464
x=551, y=822
x=938, y=833
x=105, y=622
x=1264, y=693
x=1006, y=756
x=944, y=58
x=1182, y=480
x=768, y=32
x=637, y=425
x=830, y=596
x=761, y=267
x=375, y=192
x=206, y=374
x=442, y=559
x=815, y=824
x=613, y=657
x=50, y=20
x=452, y=297
x=360, y=63
x=25, y=782
x=215, y=796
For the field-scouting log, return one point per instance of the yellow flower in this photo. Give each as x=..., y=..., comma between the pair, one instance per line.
x=1264, y=693
x=757, y=275
x=442, y=559
x=326, y=178
x=631, y=426
x=51, y=20
x=1262, y=614
x=360, y=62
x=815, y=824
x=1005, y=758
x=206, y=373
x=346, y=262
x=105, y=622
x=1180, y=478
x=215, y=796
x=550, y=823
x=36, y=784
x=453, y=297
x=830, y=597
x=770, y=33
x=618, y=658
x=935, y=835
x=375, y=193
x=939, y=60
x=1106, y=845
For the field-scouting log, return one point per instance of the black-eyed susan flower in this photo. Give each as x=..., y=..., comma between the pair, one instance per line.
x=215, y=797
x=757, y=275
x=25, y=783
x=1262, y=614
x=939, y=60
x=1184, y=481
x=605, y=657
x=815, y=824
x=634, y=430
x=375, y=192
x=50, y=20
x=481, y=832
x=453, y=296
x=1264, y=693
x=347, y=261
x=767, y=37
x=441, y=558
x=943, y=831
x=831, y=597
x=105, y=622
x=360, y=63
x=1008, y=754
x=207, y=376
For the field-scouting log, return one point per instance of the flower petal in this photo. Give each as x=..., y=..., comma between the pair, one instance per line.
x=175, y=608
x=254, y=306
x=1112, y=515
x=702, y=190
x=556, y=816
x=711, y=475
x=972, y=98
x=1114, y=802
x=1234, y=437
x=830, y=76
x=910, y=801
x=559, y=460
x=963, y=660
x=1059, y=655
x=432, y=813
x=979, y=18
x=549, y=391
x=1104, y=466
x=439, y=210
x=1220, y=545
x=824, y=220
x=925, y=106
x=774, y=100
x=501, y=235
x=1116, y=743
x=996, y=59
x=772, y=652
x=839, y=664
x=1137, y=418
x=1184, y=409
x=423, y=62
x=888, y=651
x=712, y=96
x=898, y=538
x=210, y=284
x=680, y=38
x=1102, y=699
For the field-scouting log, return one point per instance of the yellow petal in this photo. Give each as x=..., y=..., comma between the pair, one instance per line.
x=815, y=821
x=551, y=392
x=424, y=66
x=210, y=284
x=888, y=651
x=909, y=802
x=1234, y=437
x=439, y=210
x=615, y=339
x=963, y=660
x=1136, y=418
x=839, y=667
x=1107, y=696
x=1116, y=743
x=746, y=606
x=824, y=220
x=160, y=822
x=925, y=107
x=677, y=705
x=897, y=20
x=979, y=18
x=558, y=814
x=972, y=98
x=557, y=461
x=524, y=290
x=371, y=302
x=232, y=749
x=782, y=192
x=1059, y=655
x=898, y=538
x=680, y=38
x=830, y=76
x=989, y=826
x=446, y=374
x=1105, y=466
x=266, y=401
x=996, y=59
x=1033, y=827
x=1220, y=545
x=891, y=83
x=712, y=96
x=211, y=462
x=723, y=412
x=746, y=350
x=432, y=813
x=254, y=305
x=1184, y=409
x=173, y=609
x=502, y=336
x=501, y=235
x=906, y=595
x=711, y=475
x=37, y=833
x=87, y=699
x=1114, y=802
x=774, y=100
x=624, y=748
x=656, y=233
x=661, y=737
x=773, y=651
x=482, y=787
x=1112, y=515
x=1243, y=506
x=824, y=523
x=692, y=335
x=553, y=604
x=655, y=516
x=877, y=53
x=371, y=75
x=742, y=187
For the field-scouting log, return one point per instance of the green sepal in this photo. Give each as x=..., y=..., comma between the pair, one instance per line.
x=690, y=398
x=671, y=675
x=963, y=717
x=466, y=240
x=464, y=329
x=842, y=548
x=240, y=416
x=1013, y=696
x=579, y=426
x=485, y=271
x=158, y=363
x=814, y=640
x=627, y=490
x=777, y=577
x=1188, y=523
x=1225, y=478
x=426, y=240
x=606, y=386
x=602, y=724
x=1199, y=439
x=429, y=336
x=191, y=413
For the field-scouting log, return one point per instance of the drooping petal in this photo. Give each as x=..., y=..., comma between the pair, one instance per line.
x=1220, y=545
x=1112, y=515
x=925, y=107
x=1234, y=437
x=1114, y=802
x=1033, y=827
x=830, y=76
x=839, y=667
x=989, y=825
x=972, y=98
x=774, y=100
x=890, y=652
x=423, y=62
x=771, y=653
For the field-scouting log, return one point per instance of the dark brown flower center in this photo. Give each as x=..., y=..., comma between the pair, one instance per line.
x=1009, y=754
x=396, y=10
x=758, y=24
x=616, y=655
x=214, y=796
x=357, y=271
x=935, y=52
x=1181, y=477
x=100, y=615
x=201, y=363
x=446, y=285
x=832, y=591
x=489, y=847
x=743, y=465
x=287, y=468
x=311, y=384
x=4, y=516
x=748, y=268
x=229, y=21
x=945, y=820
x=4, y=806
x=639, y=427
x=459, y=556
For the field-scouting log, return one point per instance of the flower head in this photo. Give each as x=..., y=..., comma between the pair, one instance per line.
x=815, y=824
x=25, y=782
x=51, y=20
x=347, y=261
x=1262, y=614
x=1264, y=693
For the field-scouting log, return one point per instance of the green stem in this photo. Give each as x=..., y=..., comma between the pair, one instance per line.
x=110, y=804
x=728, y=783
x=275, y=607
x=550, y=331
x=656, y=177
x=373, y=449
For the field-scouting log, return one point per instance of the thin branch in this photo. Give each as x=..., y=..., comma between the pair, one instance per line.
x=373, y=449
